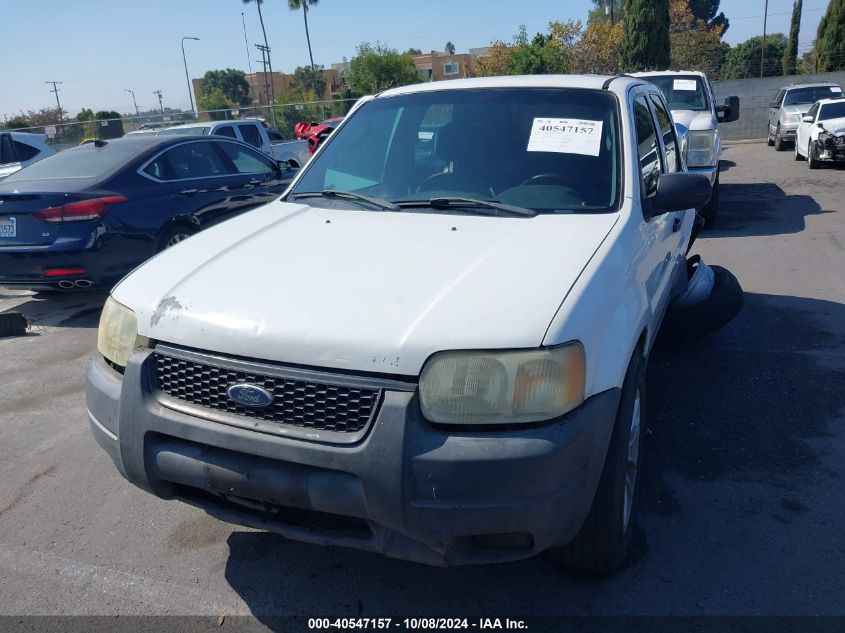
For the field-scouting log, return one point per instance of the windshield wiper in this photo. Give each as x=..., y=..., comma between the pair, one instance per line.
x=456, y=202
x=346, y=195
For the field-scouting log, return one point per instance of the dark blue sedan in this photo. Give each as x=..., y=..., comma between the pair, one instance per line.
x=88, y=215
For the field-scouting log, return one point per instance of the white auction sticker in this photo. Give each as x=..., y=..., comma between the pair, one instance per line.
x=684, y=84
x=835, y=89
x=565, y=136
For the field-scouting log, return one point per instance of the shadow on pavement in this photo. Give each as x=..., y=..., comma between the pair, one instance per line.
x=742, y=405
x=58, y=309
x=760, y=209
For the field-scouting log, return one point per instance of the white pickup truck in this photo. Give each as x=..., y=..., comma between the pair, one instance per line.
x=439, y=360
x=250, y=131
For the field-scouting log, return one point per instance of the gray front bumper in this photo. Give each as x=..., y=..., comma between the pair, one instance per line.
x=407, y=489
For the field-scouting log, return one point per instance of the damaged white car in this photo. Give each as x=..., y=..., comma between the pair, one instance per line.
x=821, y=134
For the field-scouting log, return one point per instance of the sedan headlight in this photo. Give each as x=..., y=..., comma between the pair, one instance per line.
x=118, y=336
x=700, y=147
x=792, y=118
x=502, y=387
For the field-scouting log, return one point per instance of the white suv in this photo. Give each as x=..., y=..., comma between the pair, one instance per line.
x=439, y=356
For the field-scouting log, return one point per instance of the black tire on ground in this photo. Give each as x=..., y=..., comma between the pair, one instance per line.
x=769, y=140
x=173, y=235
x=711, y=209
x=812, y=161
x=602, y=543
x=797, y=154
x=780, y=144
x=696, y=321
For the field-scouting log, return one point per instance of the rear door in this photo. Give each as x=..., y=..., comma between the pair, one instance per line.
x=251, y=133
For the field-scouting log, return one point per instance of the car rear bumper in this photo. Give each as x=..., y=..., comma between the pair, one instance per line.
x=406, y=489
x=26, y=267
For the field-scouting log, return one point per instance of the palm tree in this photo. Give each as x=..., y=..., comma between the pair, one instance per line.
x=296, y=5
x=271, y=97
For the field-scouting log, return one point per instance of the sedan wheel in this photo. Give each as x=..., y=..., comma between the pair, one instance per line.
x=812, y=161
x=172, y=236
x=797, y=153
x=175, y=239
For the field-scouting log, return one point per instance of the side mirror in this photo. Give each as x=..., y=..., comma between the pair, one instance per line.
x=807, y=118
x=679, y=192
x=730, y=111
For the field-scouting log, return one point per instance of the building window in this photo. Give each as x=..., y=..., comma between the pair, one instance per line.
x=452, y=68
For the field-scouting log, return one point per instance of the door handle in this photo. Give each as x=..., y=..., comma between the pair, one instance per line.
x=188, y=192
x=676, y=225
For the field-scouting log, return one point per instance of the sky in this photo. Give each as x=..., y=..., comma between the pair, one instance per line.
x=100, y=48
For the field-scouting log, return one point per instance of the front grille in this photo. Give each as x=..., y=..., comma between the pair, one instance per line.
x=296, y=402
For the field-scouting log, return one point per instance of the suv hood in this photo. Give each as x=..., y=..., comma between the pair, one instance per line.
x=362, y=290
x=694, y=119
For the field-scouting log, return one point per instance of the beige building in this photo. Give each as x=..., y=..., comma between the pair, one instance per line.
x=435, y=66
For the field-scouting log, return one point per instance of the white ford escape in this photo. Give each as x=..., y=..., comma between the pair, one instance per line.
x=434, y=345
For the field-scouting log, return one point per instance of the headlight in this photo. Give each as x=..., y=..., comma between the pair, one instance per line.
x=792, y=117
x=700, y=147
x=502, y=387
x=118, y=336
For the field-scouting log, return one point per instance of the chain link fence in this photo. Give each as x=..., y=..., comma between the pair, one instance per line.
x=281, y=117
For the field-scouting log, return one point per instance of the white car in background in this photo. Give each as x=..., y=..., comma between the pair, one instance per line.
x=693, y=104
x=821, y=133
x=19, y=149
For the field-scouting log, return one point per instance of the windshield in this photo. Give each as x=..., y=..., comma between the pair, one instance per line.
x=85, y=161
x=184, y=131
x=682, y=92
x=549, y=150
x=810, y=95
x=832, y=111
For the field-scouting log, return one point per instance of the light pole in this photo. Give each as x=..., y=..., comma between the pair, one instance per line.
x=137, y=112
x=763, y=41
x=160, y=104
x=187, y=79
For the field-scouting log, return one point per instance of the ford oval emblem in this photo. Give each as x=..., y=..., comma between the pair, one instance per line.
x=248, y=395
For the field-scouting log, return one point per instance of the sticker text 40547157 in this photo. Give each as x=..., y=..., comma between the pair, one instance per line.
x=565, y=136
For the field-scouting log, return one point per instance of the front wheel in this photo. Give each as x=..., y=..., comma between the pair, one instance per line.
x=812, y=151
x=603, y=542
x=769, y=140
x=780, y=144
x=711, y=209
x=798, y=155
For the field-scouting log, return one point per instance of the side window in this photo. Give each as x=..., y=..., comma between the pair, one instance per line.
x=647, y=147
x=779, y=97
x=194, y=160
x=226, y=130
x=159, y=168
x=8, y=154
x=250, y=134
x=813, y=111
x=667, y=131
x=247, y=161
x=25, y=152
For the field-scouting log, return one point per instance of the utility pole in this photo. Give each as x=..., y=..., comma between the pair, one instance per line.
x=187, y=79
x=763, y=43
x=160, y=106
x=268, y=85
x=56, y=91
x=137, y=111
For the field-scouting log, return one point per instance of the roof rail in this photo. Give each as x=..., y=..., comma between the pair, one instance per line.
x=608, y=81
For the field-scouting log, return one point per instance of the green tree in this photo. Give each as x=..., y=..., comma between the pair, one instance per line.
x=790, y=55
x=413, y=51
x=109, y=125
x=214, y=102
x=706, y=10
x=309, y=79
x=645, y=39
x=232, y=83
x=830, y=38
x=296, y=5
x=379, y=67
x=449, y=48
x=743, y=60
x=17, y=121
x=695, y=44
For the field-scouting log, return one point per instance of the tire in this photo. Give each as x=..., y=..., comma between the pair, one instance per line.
x=769, y=140
x=780, y=144
x=697, y=321
x=812, y=161
x=798, y=155
x=173, y=235
x=603, y=542
x=711, y=209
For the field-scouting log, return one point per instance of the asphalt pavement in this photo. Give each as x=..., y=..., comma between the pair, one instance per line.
x=743, y=476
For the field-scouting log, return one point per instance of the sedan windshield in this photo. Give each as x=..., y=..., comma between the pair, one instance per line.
x=545, y=150
x=184, y=131
x=832, y=111
x=811, y=95
x=682, y=92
